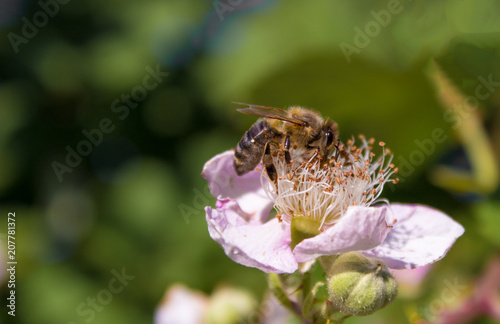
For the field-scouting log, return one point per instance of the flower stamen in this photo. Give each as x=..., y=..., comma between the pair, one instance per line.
x=321, y=190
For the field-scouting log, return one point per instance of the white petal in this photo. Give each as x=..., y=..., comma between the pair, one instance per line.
x=421, y=235
x=360, y=229
x=262, y=246
x=246, y=189
x=181, y=306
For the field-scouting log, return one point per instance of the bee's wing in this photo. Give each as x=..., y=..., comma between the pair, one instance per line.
x=269, y=112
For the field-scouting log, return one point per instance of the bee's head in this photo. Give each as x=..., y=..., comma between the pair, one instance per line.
x=330, y=133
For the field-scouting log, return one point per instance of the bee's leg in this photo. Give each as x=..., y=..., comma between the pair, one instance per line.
x=267, y=161
x=337, y=151
x=286, y=146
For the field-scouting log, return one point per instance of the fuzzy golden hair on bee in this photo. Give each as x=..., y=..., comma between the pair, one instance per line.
x=298, y=133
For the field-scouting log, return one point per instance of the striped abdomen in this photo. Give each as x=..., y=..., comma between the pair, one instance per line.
x=250, y=149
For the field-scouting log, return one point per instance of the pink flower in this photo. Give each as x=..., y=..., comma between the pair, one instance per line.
x=181, y=305
x=335, y=197
x=410, y=280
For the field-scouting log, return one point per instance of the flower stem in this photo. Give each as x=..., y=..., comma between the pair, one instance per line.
x=279, y=292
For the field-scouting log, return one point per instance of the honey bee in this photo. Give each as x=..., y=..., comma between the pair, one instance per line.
x=297, y=132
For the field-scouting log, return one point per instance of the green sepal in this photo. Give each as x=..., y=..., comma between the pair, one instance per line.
x=327, y=262
x=308, y=309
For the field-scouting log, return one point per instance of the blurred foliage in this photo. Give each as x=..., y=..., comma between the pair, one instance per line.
x=120, y=207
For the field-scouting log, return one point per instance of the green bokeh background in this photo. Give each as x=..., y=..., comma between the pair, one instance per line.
x=136, y=201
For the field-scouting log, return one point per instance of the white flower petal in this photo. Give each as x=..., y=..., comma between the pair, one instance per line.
x=422, y=235
x=246, y=189
x=360, y=229
x=262, y=246
x=181, y=306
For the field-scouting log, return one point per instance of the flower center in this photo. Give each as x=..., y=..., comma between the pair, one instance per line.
x=320, y=190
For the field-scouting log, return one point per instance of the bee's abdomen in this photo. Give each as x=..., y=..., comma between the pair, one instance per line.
x=250, y=149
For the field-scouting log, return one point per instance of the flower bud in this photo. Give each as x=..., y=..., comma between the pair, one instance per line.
x=359, y=285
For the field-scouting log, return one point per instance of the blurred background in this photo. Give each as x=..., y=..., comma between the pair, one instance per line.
x=108, y=111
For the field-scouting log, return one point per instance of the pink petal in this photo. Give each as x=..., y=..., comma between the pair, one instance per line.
x=273, y=312
x=246, y=189
x=181, y=306
x=422, y=235
x=263, y=246
x=411, y=277
x=360, y=229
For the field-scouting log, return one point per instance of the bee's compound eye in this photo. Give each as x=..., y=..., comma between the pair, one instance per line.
x=329, y=138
